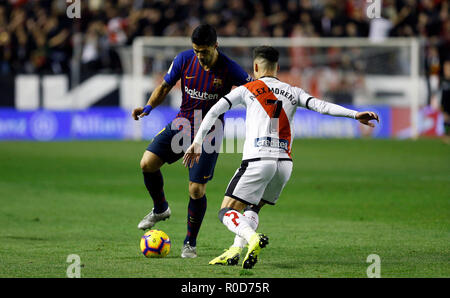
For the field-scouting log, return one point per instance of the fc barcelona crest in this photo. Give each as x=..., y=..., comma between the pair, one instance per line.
x=217, y=83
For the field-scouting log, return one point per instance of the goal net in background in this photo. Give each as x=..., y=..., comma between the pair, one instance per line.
x=386, y=77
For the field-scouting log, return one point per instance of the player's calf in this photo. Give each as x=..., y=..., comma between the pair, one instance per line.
x=236, y=222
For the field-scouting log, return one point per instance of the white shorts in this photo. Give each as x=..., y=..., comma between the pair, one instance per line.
x=259, y=179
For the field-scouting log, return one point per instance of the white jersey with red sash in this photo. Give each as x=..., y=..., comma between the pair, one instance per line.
x=270, y=109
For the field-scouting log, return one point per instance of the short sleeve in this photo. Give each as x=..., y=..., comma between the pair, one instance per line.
x=239, y=75
x=235, y=97
x=174, y=72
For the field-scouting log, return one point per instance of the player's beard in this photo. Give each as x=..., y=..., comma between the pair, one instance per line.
x=206, y=61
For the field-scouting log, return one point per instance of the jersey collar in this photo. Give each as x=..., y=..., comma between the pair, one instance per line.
x=270, y=77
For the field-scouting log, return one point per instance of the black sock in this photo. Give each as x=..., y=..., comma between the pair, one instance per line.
x=154, y=183
x=196, y=212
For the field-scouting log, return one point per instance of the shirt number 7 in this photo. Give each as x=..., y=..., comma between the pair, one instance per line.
x=275, y=114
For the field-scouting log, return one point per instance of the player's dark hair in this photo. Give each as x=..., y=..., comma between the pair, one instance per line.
x=266, y=52
x=204, y=35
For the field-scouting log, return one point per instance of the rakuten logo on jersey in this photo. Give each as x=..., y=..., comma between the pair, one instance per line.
x=195, y=94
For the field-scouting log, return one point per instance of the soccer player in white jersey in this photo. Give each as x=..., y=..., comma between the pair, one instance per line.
x=266, y=162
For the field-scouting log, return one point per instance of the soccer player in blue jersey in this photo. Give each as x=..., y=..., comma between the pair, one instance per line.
x=206, y=75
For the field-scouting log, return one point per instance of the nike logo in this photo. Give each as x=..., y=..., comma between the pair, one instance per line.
x=190, y=77
x=206, y=177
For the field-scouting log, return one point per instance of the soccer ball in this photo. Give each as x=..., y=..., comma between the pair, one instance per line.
x=155, y=244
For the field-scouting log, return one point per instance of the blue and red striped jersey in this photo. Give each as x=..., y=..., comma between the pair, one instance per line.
x=201, y=89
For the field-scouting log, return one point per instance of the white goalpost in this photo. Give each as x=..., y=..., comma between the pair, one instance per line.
x=384, y=72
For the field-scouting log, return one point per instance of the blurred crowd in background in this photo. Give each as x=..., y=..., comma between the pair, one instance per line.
x=38, y=37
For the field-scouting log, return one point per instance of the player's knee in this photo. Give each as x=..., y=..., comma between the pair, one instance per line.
x=149, y=164
x=146, y=166
x=222, y=213
x=197, y=190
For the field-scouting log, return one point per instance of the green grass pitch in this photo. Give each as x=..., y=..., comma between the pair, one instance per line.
x=346, y=199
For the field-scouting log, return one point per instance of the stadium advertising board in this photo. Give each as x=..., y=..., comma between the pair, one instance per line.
x=117, y=124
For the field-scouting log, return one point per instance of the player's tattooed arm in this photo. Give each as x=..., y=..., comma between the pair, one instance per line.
x=159, y=94
x=157, y=97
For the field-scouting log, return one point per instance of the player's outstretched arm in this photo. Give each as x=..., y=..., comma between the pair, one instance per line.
x=157, y=97
x=365, y=117
x=194, y=151
x=332, y=109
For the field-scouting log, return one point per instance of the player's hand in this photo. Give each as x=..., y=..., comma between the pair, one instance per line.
x=141, y=112
x=192, y=155
x=138, y=113
x=365, y=117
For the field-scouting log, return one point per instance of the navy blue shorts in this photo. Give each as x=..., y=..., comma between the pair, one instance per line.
x=201, y=172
